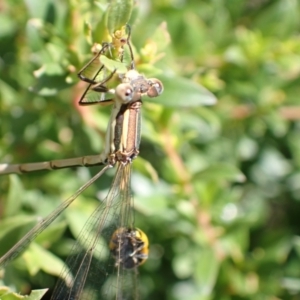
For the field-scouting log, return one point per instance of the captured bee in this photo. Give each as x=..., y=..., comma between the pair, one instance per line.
x=129, y=247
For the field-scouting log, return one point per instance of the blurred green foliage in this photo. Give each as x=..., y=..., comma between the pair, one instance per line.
x=216, y=188
x=6, y=294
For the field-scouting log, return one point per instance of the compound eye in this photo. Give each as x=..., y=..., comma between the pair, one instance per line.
x=124, y=92
x=156, y=87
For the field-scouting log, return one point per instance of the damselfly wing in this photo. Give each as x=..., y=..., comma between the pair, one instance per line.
x=104, y=262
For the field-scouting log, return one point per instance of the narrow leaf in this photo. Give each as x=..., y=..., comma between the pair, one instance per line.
x=181, y=92
x=118, y=14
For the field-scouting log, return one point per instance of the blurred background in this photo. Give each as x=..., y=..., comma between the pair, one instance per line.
x=216, y=188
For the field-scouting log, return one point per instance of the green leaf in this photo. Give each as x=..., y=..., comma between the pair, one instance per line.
x=37, y=294
x=206, y=270
x=277, y=247
x=146, y=168
x=235, y=242
x=3, y=290
x=220, y=172
x=37, y=259
x=296, y=244
x=183, y=265
x=14, y=228
x=161, y=37
x=8, y=26
x=49, y=85
x=14, y=198
x=38, y=9
x=5, y=294
x=8, y=94
x=181, y=92
x=52, y=234
x=113, y=65
x=33, y=34
x=118, y=14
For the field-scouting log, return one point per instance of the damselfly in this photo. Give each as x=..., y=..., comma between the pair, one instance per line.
x=112, y=223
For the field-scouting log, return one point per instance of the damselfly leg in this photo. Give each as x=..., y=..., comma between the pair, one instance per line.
x=98, y=75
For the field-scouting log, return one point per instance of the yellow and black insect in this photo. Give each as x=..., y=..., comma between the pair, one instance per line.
x=130, y=247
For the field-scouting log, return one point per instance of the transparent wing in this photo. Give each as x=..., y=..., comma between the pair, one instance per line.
x=123, y=286
x=44, y=223
x=90, y=264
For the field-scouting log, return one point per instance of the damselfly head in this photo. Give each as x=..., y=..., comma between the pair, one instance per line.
x=124, y=92
x=156, y=87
